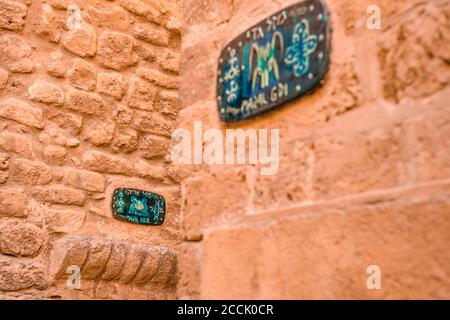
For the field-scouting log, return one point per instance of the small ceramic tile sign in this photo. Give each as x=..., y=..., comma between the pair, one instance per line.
x=283, y=57
x=138, y=206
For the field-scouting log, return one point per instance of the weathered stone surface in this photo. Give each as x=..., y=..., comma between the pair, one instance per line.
x=59, y=4
x=153, y=122
x=67, y=137
x=141, y=94
x=125, y=262
x=56, y=136
x=284, y=187
x=103, y=162
x=250, y=241
x=217, y=13
x=158, y=78
x=3, y=78
x=16, y=143
x=55, y=64
x=66, y=120
x=15, y=54
x=168, y=103
x=3, y=177
x=161, y=273
x=148, y=9
x=49, y=24
x=72, y=142
x=55, y=155
x=68, y=252
x=100, y=133
x=46, y=138
x=115, y=50
x=46, y=92
x=123, y=115
x=99, y=252
x=85, y=180
x=22, y=112
x=12, y=15
x=112, y=84
x=174, y=25
x=378, y=153
x=83, y=75
x=153, y=147
x=116, y=261
x=135, y=6
x=146, y=52
x=65, y=221
x=13, y=203
x=189, y=270
x=89, y=103
x=30, y=172
x=125, y=140
x=379, y=125
x=4, y=161
x=151, y=34
x=157, y=13
x=21, y=275
x=433, y=145
x=170, y=62
x=200, y=62
x=81, y=41
x=365, y=229
x=20, y=239
x=134, y=261
x=343, y=150
x=425, y=52
x=149, y=267
x=148, y=171
x=197, y=210
x=109, y=16
x=26, y=2
x=59, y=195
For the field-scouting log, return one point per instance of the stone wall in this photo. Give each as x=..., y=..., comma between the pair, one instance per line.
x=91, y=91
x=364, y=174
x=88, y=100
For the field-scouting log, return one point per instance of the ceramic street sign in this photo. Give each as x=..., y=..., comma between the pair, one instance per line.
x=137, y=206
x=281, y=58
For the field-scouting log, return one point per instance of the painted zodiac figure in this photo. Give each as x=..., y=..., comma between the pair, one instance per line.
x=266, y=61
x=138, y=206
x=303, y=45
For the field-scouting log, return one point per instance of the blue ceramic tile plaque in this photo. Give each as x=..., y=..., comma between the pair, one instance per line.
x=138, y=206
x=279, y=59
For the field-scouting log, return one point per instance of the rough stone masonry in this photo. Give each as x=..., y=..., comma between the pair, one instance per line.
x=88, y=97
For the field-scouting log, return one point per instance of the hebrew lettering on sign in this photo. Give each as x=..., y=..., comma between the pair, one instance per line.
x=281, y=58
